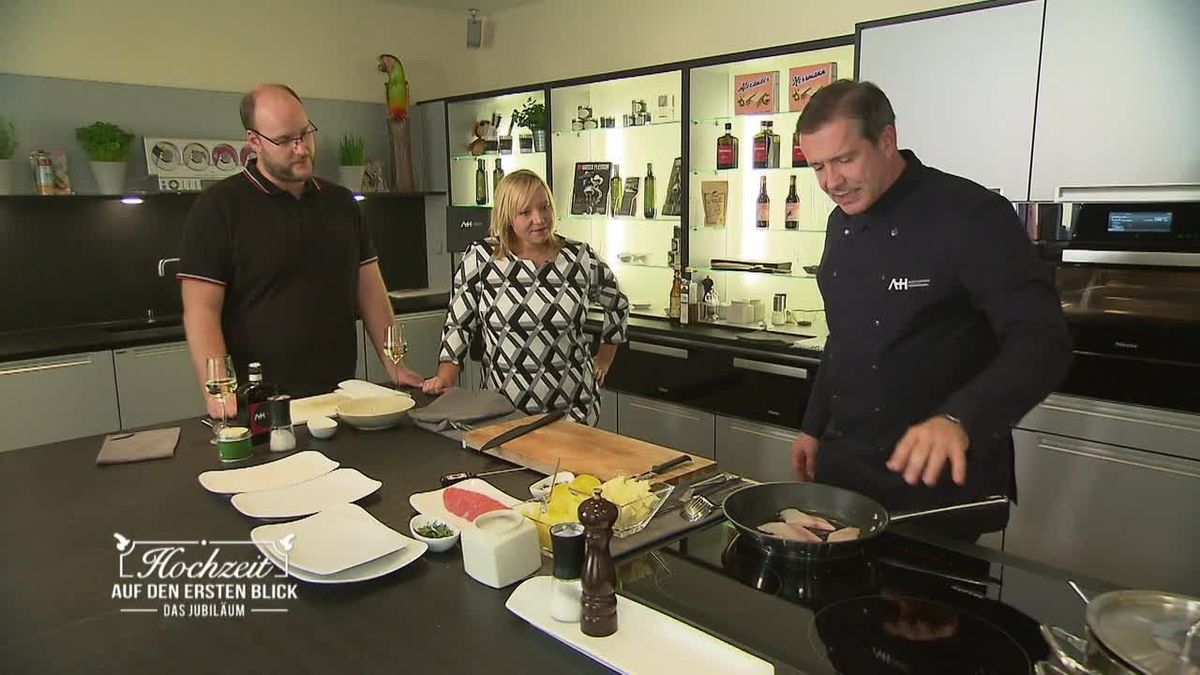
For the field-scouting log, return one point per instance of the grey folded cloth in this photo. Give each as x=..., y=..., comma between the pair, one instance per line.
x=125, y=447
x=463, y=407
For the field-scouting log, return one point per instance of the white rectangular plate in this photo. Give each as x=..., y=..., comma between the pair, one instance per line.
x=304, y=409
x=646, y=641
x=374, y=569
x=333, y=540
x=341, y=486
x=431, y=504
x=290, y=470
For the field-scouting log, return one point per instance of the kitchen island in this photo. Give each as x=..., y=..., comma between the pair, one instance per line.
x=60, y=572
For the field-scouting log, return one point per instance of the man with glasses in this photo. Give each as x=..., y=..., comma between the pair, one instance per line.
x=277, y=264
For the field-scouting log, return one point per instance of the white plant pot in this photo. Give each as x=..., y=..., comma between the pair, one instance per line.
x=6, y=177
x=110, y=177
x=351, y=177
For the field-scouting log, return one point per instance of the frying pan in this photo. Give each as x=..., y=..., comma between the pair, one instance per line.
x=754, y=505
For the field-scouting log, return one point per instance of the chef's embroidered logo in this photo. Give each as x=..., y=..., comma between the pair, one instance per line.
x=906, y=284
x=202, y=579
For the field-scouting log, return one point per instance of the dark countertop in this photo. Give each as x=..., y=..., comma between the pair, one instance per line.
x=777, y=347
x=60, y=566
x=29, y=344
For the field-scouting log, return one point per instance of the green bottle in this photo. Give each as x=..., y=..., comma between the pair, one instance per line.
x=649, y=200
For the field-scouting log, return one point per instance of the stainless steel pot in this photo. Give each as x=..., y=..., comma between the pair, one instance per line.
x=1138, y=632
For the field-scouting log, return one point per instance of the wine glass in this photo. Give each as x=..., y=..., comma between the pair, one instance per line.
x=395, y=347
x=221, y=380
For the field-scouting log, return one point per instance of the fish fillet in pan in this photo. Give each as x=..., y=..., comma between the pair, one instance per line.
x=798, y=517
x=844, y=534
x=790, y=531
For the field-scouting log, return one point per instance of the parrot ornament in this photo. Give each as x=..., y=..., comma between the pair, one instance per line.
x=396, y=87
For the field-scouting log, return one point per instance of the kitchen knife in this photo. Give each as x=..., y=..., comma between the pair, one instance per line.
x=664, y=467
x=516, y=432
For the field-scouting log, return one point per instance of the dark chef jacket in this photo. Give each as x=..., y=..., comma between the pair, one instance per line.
x=290, y=271
x=936, y=304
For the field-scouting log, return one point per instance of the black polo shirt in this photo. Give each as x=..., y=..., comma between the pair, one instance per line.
x=290, y=271
x=936, y=303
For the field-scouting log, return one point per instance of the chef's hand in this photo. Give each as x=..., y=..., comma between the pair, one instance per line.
x=804, y=456
x=402, y=374
x=436, y=386
x=922, y=453
x=213, y=406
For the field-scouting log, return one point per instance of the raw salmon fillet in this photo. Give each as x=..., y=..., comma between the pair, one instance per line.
x=467, y=504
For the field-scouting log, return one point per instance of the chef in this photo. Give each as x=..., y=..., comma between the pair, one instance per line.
x=944, y=329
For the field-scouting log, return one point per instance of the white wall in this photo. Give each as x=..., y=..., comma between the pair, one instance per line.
x=554, y=39
x=324, y=49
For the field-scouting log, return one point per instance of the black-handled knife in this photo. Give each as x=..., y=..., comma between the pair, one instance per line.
x=516, y=432
x=664, y=467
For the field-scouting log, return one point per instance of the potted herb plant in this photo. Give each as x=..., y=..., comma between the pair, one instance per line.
x=532, y=116
x=8, y=145
x=107, y=145
x=352, y=161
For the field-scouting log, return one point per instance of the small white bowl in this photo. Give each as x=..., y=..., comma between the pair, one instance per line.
x=322, y=427
x=541, y=489
x=435, y=545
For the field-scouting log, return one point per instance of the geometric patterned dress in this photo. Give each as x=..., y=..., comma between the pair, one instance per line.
x=531, y=320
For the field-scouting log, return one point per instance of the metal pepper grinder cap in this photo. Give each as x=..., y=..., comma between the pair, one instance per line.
x=281, y=410
x=566, y=541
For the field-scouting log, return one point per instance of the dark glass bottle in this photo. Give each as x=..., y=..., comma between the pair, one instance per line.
x=649, y=201
x=481, y=188
x=253, y=412
x=763, y=210
x=791, y=208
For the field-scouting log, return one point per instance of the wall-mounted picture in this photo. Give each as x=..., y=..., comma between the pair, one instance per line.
x=589, y=196
x=756, y=93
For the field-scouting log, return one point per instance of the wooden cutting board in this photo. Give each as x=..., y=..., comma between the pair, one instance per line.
x=584, y=449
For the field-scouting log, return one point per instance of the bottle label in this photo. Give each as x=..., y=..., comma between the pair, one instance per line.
x=260, y=418
x=798, y=158
x=760, y=153
x=764, y=214
x=791, y=215
x=725, y=156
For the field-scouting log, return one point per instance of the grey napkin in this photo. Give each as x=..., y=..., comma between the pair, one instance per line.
x=460, y=406
x=154, y=444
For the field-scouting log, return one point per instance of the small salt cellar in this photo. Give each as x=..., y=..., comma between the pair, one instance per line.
x=566, y=588
x=283, y=438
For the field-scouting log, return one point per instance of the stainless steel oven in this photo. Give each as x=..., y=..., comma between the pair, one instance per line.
x=1129, y=281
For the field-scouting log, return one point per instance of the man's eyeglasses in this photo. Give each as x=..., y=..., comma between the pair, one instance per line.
x=289, y=141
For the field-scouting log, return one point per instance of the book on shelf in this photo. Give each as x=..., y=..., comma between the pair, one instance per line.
x=672, y=207
x=630, y=198
x=589, y=196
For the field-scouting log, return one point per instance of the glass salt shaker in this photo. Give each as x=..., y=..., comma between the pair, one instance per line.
x=566, y=589
x=283, y=438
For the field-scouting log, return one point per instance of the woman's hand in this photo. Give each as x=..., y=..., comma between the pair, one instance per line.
x=436, y=386
x=603, y=362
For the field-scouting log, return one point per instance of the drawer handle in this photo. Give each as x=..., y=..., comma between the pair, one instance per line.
x=663, y=411
x=1120, y=418
x=45, y=366
x=156, y=351
x=776, y=436
x=661, y=350
x=1095, y=455
x=770, y=368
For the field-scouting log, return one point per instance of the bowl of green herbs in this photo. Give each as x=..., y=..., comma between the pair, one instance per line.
x=437, y=533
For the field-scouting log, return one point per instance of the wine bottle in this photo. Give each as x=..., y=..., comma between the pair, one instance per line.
x=252, y=408
x=614, y=191
x=727, y=149
x=648, y=200
x=763, y=212
x=761, y=150
x=675, y=298
x=791, y=208
x=481, y=190
x=497, y=174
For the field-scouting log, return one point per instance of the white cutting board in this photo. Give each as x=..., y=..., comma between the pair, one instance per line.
x=646, y=641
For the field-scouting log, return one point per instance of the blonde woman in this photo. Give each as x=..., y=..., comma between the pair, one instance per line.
x=526, y=291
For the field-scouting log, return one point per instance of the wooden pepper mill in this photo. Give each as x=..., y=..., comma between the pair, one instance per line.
x=599, y=578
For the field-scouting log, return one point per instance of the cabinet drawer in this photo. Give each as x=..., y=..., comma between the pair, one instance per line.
x=156, y=384
x=759, y=451
x=688, y=374
x=1117, y=514
x=673, y=426
x=767, y=392
x=58, y=398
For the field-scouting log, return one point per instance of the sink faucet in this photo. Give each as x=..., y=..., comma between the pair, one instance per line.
x=162, y=265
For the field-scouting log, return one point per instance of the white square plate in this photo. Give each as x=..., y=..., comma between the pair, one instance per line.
x=302, y=499
x=431, y=504
x=374, y=569
x=333, y=540
x=290, y=470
